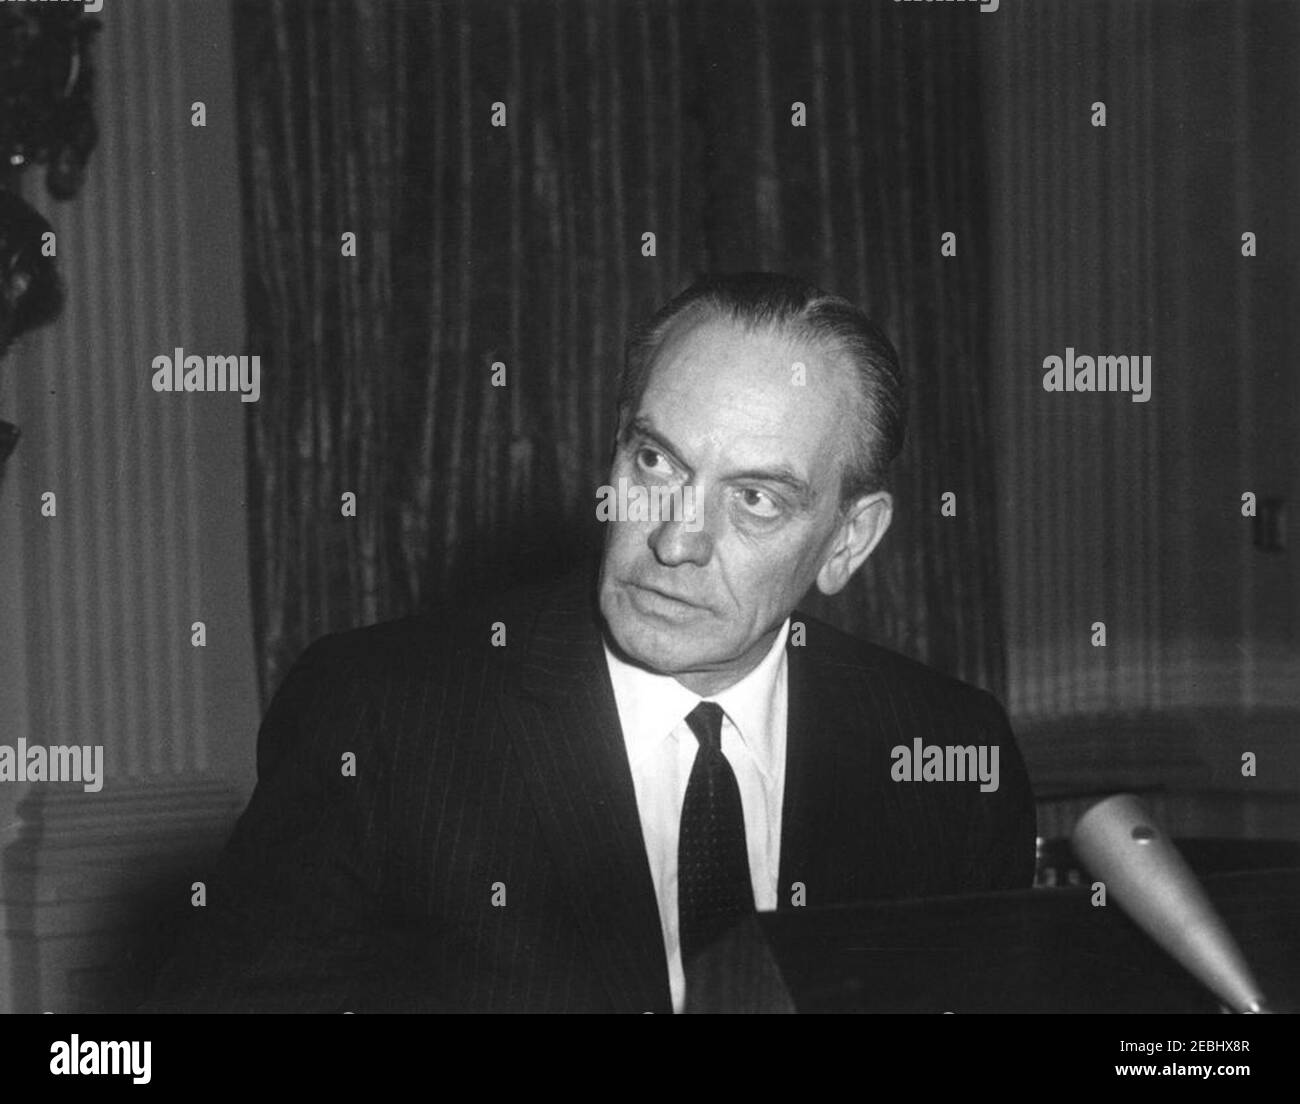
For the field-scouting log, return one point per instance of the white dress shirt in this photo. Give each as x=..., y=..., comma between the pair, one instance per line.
x=661, y=750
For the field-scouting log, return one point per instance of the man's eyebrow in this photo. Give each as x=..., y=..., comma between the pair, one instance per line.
x=782, y=474
x=640, y=427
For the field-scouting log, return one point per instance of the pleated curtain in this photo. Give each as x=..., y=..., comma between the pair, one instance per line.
x=838, y=141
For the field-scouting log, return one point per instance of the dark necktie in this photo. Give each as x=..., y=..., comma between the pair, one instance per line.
x=714, y=889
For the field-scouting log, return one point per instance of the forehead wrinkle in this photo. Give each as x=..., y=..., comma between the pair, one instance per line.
x=683, y=367
x=690, y=352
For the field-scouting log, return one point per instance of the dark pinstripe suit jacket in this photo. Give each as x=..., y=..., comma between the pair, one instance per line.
x=483, y=772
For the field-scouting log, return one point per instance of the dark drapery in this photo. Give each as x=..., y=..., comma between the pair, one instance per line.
x=523, y=244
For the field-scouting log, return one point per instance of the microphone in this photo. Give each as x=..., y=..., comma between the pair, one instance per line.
x=1120, y=843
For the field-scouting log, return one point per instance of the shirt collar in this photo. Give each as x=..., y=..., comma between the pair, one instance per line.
x=651, y=705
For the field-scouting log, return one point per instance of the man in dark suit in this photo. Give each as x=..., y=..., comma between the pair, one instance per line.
x=563, y=801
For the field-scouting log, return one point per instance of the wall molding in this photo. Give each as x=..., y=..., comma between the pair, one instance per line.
x=1185, y=763
x=95, y=883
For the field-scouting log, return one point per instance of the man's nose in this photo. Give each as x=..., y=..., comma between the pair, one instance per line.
x=681, y=541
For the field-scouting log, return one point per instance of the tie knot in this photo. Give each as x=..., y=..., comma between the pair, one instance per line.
x=706, y=722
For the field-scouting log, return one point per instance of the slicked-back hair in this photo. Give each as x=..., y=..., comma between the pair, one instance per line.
x=796, y=309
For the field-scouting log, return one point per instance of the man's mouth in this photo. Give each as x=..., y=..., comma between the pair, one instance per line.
x=655, y=600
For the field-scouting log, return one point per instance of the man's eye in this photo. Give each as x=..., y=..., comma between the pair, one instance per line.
x=759, y=503
x=652, y=460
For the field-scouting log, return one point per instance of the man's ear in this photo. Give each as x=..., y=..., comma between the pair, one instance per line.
x=865, y=523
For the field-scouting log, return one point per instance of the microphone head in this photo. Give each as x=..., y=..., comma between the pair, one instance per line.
x=1121, y=844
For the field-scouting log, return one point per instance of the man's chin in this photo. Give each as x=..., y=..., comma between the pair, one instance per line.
x=663, y=649
x=659, y=660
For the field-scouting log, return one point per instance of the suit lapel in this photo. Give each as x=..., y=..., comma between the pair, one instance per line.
x=828, y=787
x=564, y=724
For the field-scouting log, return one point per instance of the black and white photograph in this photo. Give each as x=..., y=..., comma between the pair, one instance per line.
x=651, y=506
